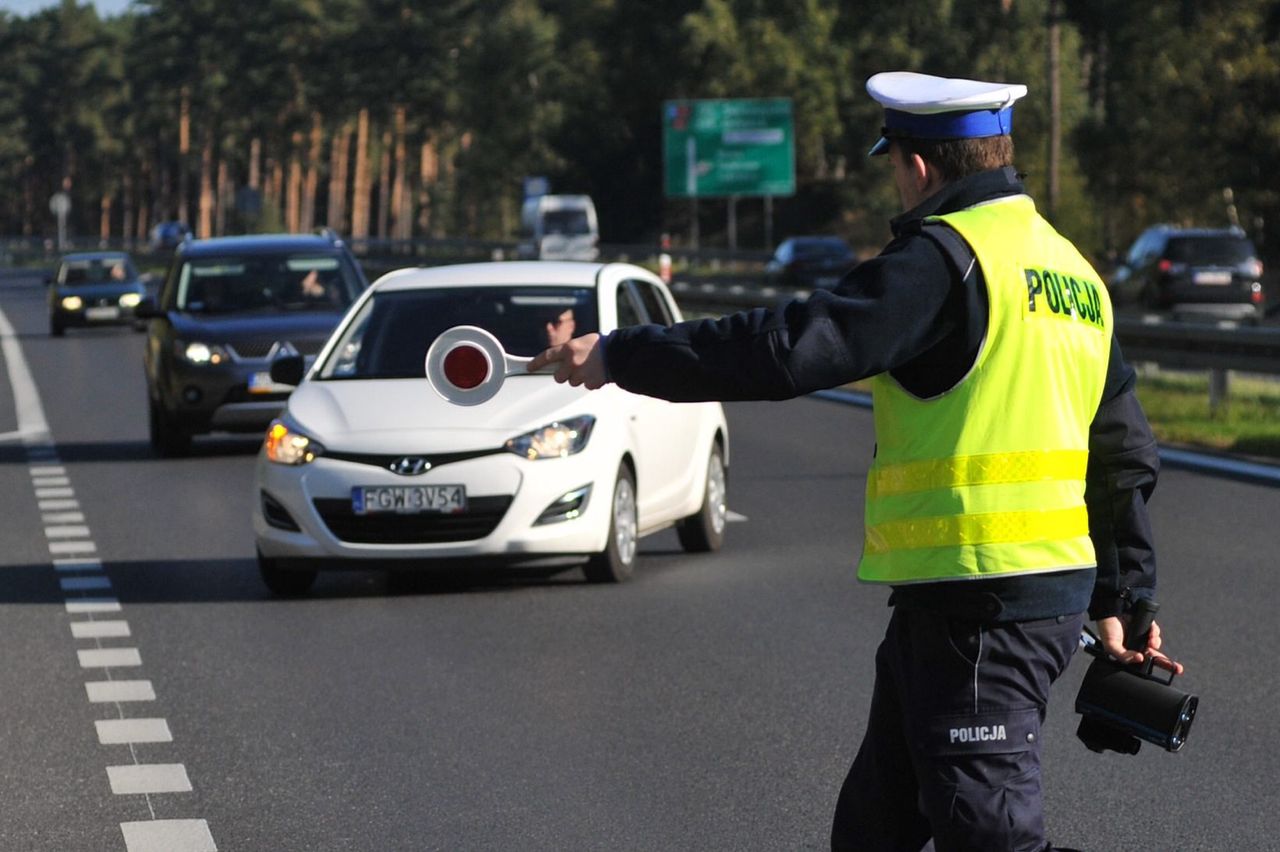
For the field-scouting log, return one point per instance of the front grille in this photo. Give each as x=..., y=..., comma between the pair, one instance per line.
x=262, y=348
x=482, y=516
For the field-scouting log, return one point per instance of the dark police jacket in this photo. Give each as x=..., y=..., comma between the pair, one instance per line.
x=909, y=311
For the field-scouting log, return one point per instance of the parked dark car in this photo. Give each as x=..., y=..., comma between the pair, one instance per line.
x=93, y=288
x=228, y=307
x=1212, y=272
x=810, y=262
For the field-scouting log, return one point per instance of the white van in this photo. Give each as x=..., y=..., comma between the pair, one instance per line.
x=559, y=227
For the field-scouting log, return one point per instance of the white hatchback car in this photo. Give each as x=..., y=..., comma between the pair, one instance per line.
x=369, y=467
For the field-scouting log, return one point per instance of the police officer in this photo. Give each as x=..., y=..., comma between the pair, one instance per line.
x=1008, y=493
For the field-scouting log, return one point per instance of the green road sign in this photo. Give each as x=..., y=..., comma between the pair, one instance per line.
x=728, y=147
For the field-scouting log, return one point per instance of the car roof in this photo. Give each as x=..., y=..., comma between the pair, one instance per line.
x=258, y=244
x=515, y=273
x=82, y=256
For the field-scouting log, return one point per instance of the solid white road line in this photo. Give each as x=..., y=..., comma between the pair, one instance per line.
x=125, y=731
x=99, y=629
x=168, y=835
x=109, y=658
x=83, y=605
x=119, y=691
x=26, y=399
x=149, y=778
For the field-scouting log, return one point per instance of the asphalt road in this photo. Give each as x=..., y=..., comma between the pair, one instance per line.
x=714, y=703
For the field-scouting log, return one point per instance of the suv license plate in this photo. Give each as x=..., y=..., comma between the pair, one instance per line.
x=408, y=499
x=1212, y=278
x=110, y=312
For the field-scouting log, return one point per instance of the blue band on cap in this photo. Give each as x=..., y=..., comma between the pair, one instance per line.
x=950, y=125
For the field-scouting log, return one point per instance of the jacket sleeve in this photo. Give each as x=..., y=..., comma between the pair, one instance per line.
x=1123, y=467
x=885, y=312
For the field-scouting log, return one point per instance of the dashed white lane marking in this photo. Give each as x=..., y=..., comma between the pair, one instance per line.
x=109, y=658
x=168, y=835
x=66, y=531
x=119, y=691
x=99, y=629
x=74, y=556
x=149, y=778
x=88, y=605
x=125, y=731
x=84, y=584
x=66, y=548
x=62, y=517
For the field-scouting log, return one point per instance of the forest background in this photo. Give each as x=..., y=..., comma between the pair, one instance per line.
x=421, y=119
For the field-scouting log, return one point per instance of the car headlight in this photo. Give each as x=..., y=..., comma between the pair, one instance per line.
x=72, y=303
x=289, y=446
x=200, y=353
x=555, y=440
x=130, y=300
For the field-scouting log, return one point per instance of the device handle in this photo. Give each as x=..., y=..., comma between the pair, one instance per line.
x=1141, y=617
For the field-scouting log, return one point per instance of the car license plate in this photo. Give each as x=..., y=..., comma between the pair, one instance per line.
x=408, y=499
x=1212, y=278
x=108, y=312
x=260, y=382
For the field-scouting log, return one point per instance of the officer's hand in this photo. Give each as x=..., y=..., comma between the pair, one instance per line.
x=1111, y=636
x=580, y=362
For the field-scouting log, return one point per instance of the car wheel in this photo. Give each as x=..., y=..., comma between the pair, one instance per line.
x=617, y=561
x=704, y=532
x=285, y=582
x=167, y=438
x=56, y=328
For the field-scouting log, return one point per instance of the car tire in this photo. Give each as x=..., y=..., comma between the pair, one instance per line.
x=617, y=562
x=704, y=532
x=285, y=582
x=56, y=329
x=168, y=440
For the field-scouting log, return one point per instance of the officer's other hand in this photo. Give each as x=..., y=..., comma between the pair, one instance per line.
x=1111, y=635
x=578, y=362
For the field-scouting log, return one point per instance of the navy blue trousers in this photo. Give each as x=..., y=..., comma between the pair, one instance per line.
x=952, y=747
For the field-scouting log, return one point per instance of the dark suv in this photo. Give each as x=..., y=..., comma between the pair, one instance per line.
x=228, y=307
x=1187, y=271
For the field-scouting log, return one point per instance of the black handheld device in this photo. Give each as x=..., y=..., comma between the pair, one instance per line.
x=1123, y=705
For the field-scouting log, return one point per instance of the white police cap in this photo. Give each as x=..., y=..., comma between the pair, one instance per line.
x=922, y=106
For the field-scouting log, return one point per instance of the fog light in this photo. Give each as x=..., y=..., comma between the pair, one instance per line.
x=192, y=394
x=569, y=506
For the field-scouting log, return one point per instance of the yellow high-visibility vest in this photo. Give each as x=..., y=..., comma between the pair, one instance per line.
x=987, y=479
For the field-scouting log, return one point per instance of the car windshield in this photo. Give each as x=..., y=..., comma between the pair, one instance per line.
x=389, y=337
x=1209, y=250
x=98, y=270
x=566, y=222
x=809, y=249
x=303, y=282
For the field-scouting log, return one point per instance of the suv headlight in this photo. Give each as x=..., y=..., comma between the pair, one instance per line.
x=555, y=440
x=130, y=300
x=289, y=446
x=72, y=303
x=200, y=353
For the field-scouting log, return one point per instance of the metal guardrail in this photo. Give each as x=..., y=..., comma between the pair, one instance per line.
x=1198, y=346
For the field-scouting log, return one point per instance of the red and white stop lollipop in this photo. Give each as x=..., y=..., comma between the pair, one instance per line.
x=467, y=366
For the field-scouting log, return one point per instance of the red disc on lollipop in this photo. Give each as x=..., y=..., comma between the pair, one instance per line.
x=465, y=366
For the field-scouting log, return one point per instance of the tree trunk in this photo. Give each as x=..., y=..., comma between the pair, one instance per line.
x=384, y=186
x=184, y=149
x=339, y=156
x=276, y=181
x=126, y=209
x=400, y=229
x=312, y=183
x=1055, y=109
x=428, y=174
x=224, y=194
x=255, y=158
x=293, y=195
x=206, y=187
x=104, y=220
x=360, y=193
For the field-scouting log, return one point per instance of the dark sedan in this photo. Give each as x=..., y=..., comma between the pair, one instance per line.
x=93, y=288
x=228, y=308
x=810, y=262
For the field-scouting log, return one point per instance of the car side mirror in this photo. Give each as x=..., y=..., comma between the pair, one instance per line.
x=288, y=370
x=148, y=309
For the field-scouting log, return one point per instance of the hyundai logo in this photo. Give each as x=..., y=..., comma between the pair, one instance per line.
x=410, y=466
